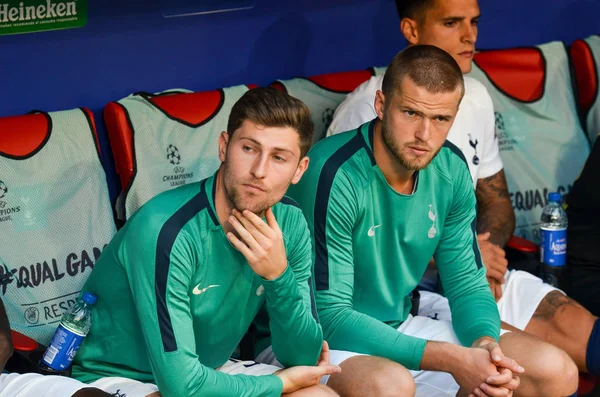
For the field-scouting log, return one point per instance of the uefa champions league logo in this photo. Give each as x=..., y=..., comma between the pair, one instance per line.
x=3, y=189
x=173, y=155
x=179, y=176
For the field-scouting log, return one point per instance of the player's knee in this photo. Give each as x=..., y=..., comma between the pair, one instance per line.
x=393, y=381
x=323, y=391
x=571, y=374
x=556, y=372
x=313, y=391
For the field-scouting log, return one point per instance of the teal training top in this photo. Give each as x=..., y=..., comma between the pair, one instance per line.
x=372, y=246
x=175, y=298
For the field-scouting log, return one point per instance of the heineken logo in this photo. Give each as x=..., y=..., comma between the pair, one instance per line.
x=48, y=10
x=24, y=16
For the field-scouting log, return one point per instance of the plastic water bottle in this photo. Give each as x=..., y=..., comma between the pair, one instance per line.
x=553, y=240
x=73, y=328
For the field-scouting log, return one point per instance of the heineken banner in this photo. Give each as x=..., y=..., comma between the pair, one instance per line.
x=24, y=16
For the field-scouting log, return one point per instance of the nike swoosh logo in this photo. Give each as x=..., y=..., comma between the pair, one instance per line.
x=371, y=231
x=198, y=291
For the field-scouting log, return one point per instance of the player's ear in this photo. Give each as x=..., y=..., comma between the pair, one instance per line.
x=379, y=104
x=409, y=29
x=223, y=141
x=302, y=167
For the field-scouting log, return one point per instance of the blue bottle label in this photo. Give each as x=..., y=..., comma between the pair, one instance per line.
x=63, y=348
x=553, y=246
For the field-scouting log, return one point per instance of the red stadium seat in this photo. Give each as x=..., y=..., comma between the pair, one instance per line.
x=587, y=74
x=587, y=385
x=342, y=82
x=55, y=185
x=36, y=125
x=189, y=121
x=522, y=74
x=519, y=72
x=536, y=123
x=192, y=108
x=323, y=93
x=22, y=343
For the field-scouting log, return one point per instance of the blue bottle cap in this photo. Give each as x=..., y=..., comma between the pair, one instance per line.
x=555, y=197
x=88, y=298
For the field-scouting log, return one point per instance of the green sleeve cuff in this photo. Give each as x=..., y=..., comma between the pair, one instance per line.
x=274, y=385
x=418, y=351
x=280, y=285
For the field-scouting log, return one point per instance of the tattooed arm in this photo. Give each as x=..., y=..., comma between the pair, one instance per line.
x=495, y=226
x=495, y=213
x=6, y=347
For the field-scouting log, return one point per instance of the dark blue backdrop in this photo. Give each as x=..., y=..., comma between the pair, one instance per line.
x=128, y=46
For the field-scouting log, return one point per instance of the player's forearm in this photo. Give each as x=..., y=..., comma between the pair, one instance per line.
x=6, y=346
x=296, y=342
x=200, y=381
x=346, y=329
x=442, y=356
x=495, y=213
x=295, y=334
x=474, y=310
x=6, y=349
x=498, y=218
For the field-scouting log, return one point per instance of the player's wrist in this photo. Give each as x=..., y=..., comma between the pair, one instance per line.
x=274, y=274
x=286, y=384
x=444, y=357
x=484, y=340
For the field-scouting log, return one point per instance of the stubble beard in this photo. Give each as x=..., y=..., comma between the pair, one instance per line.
x=240, y=201
x=392, y=145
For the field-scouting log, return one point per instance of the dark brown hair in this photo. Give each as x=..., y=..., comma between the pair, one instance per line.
x=414, y=9
x=427, y=66
x=269, y=107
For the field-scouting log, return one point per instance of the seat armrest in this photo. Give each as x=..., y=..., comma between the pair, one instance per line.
x=522, y=245
x=22, y=343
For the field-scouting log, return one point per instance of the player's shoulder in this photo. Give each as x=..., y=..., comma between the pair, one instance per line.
x=170, y=201
x=450, y=162
x=287, y=208
x=348, y=150
x=171, y=209
x=290, y=217
x=339, y=146
x=476, y=93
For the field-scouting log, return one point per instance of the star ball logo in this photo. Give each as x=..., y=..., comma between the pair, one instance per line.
x=173, y=155
x=327, y=118
x=3, y=189
x=499, y=121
